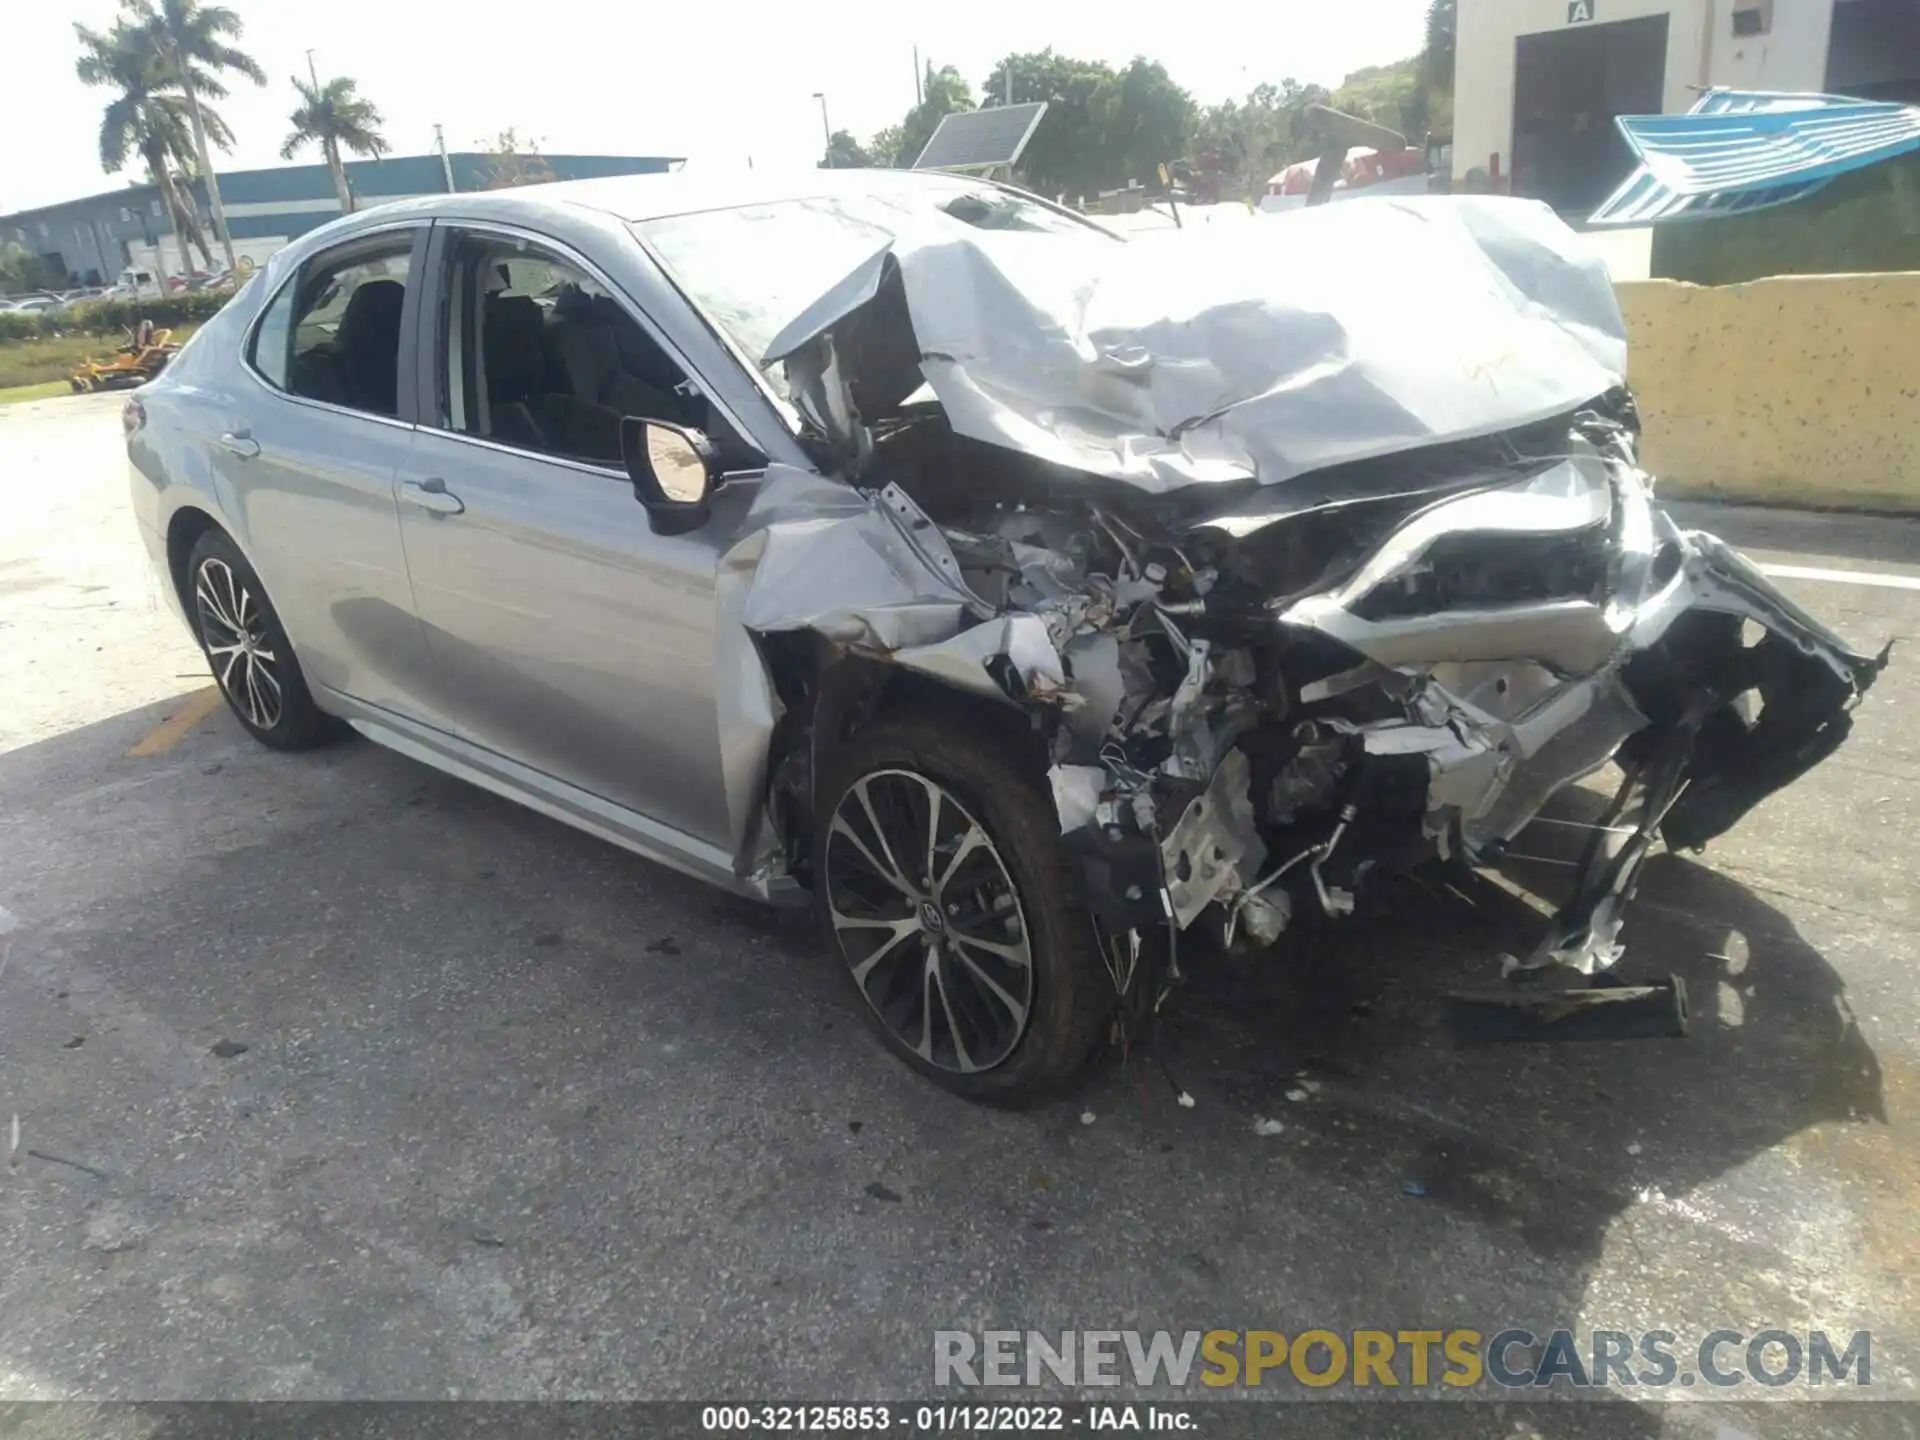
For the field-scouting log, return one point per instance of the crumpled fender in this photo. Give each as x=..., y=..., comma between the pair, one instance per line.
x=868, y=571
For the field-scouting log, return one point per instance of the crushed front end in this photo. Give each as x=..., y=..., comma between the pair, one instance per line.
x=1367, y=612
x=1267, y=708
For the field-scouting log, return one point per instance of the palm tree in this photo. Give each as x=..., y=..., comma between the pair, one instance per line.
x=192, y=43
x=148, y=118
x=335, y=117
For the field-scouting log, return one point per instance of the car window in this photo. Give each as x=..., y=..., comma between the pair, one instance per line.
x=539, y=354
x=754, y=268
x=270, y=337
x=343, y=323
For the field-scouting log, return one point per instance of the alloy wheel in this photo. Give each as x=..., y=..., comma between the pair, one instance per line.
x=929, y=921
x=233, y=627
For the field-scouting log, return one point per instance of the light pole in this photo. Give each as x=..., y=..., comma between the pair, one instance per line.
x=826, y=130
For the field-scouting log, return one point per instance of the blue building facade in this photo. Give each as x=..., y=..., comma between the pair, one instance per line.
x=89, y=241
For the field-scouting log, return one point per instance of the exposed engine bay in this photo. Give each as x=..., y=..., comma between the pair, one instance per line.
x=1254, y=710
x=1257, y=698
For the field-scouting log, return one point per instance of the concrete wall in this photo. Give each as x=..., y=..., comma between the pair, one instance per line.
x=1701, y=50
x=1801, y=390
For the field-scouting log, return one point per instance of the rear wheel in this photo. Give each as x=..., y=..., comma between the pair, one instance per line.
x=248, y=650
x=956, y=911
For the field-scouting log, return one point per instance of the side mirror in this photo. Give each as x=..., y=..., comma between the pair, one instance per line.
x=671, y=468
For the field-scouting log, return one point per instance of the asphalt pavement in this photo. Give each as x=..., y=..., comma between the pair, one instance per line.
x=340, y=1079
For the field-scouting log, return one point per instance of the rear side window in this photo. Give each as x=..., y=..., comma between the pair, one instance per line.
x=333, y=332
x=270, y=338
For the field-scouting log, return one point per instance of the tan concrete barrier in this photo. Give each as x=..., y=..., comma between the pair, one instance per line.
x=1796, y=390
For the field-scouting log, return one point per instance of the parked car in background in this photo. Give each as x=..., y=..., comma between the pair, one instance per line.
x=137, y=282
x=1031, y=601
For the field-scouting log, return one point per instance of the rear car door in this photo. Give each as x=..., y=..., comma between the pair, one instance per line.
x=570, y=639
x=309, y=456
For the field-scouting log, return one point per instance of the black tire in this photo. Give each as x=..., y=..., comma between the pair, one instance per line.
x=1071, y=998
x=263, y=685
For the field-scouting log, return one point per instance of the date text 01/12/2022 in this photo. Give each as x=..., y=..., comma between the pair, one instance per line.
x=944, y=1419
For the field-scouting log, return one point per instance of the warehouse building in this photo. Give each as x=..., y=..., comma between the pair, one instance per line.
x=89, y=241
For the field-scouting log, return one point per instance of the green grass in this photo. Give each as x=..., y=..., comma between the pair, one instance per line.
x=54, y=357
x=34, y=392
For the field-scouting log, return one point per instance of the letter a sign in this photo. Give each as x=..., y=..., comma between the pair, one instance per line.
x=1580, y=12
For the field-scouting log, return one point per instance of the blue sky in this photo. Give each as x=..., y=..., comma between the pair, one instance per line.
x=723, y=83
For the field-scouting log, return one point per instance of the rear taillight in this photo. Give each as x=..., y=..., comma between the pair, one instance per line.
x=132, y=416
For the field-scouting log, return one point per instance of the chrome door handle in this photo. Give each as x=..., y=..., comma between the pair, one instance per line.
x=241, y=443
x=432, y=494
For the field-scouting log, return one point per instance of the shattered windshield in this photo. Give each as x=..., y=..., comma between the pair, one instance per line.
x=754, y=268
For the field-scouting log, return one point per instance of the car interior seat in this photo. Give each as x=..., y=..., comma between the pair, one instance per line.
x=366, y=347
x=511, y=330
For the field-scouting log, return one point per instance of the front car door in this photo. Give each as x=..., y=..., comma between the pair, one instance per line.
x=310, y=445
x=574, y=645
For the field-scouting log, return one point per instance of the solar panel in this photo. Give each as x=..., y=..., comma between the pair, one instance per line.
x=981, y=139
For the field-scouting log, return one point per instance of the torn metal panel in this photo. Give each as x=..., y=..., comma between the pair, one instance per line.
x=1214, y=847
x=964, y=661
x=814, y=554
x=825, y=557
x=1259, y=351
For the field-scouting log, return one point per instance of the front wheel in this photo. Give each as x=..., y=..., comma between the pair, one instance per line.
x=956, y=911
x=248, y=649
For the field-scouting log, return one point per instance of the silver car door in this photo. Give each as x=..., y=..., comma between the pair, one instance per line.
x=308, y=449
x=570, y=638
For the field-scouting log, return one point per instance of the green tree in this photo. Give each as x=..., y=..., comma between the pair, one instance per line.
x=1146, y=118
x=1437, y=60
x=335, y=117
x=884, y=148
x=1381, y=93
x=511, y=161
x=194, y=45
x=1070, y=153
x=1261, y=134
x=147, y=117
x=845, y=153
x=19, y=267
x=943, y=93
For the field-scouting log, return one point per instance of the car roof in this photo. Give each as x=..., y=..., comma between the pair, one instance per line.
x=634, y=198
x=681, y=192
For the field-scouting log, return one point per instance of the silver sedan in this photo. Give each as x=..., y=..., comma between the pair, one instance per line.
x=1032, y=602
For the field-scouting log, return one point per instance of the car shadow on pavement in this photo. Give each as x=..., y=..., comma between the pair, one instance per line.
x=1339, y=1031
x=567, y=1121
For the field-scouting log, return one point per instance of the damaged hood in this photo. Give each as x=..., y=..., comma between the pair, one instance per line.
x=1220, y=353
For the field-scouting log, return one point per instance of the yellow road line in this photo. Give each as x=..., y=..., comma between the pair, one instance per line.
x=172, y=730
